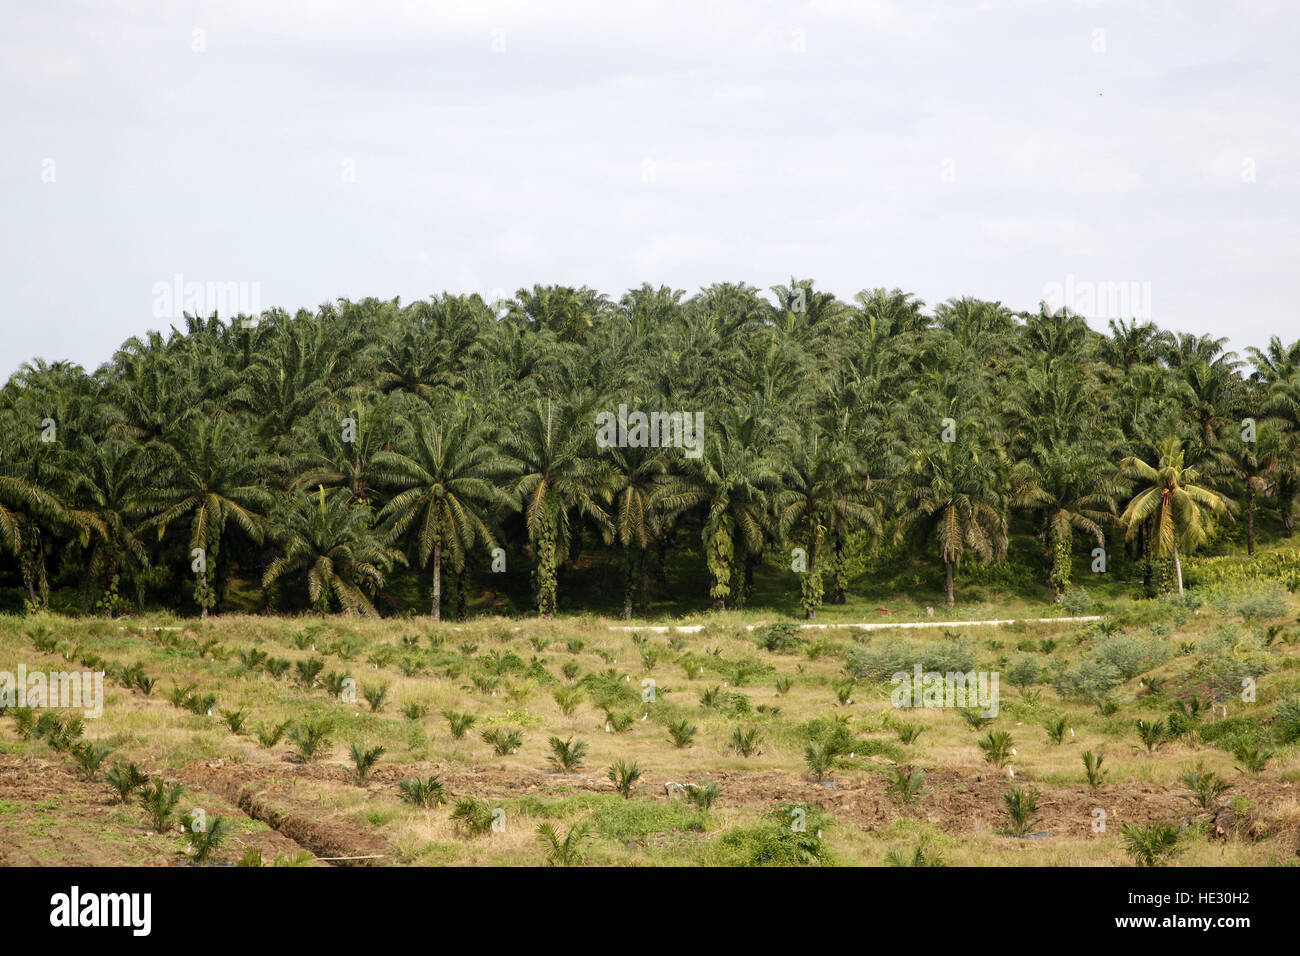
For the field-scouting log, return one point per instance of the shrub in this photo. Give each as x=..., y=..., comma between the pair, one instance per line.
x=1286, y=719
x=1025, y=671
x=1129, y=655
x=1077, y=602
x=782, y=637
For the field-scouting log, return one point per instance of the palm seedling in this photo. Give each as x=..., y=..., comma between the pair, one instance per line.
x=426, y=792
x=473, y=816
x=502, y=741
x=783, y=685
x=921, y=856
x=364, y=761
x=126, y=779
x=234, y=720
x=308, y=670
x=1092, y=768
x=376, y=696
x=89, y=757
x=568, y=698
x=1207, y=788
x=908, y=733
x=567, y=755
x=1055, y=729
x=906, y=784
x=703, y=795
x=270, y=736
x=1150, y=845
x=205, y=840
x=974, y=719
x=996, y=745
x=1151, y=733
x=820, y=759
x=1021, y=808
x=624, y=776
x=310, y=738
x=159, y=801
x=459, y=723
x=415, y=711
x=745, y=741
x=1253, y=759
x=682, y=733
x=566, y=852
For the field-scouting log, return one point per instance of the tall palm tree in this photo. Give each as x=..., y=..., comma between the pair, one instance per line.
x=558, y=481
x=212, y=476
x=444, y=492
x=822, y=489
x=637, y=479
x=326, y=541
x=951, y=492
x=1179, y=509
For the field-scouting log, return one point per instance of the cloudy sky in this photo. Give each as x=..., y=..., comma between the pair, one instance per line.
x=1007, y=149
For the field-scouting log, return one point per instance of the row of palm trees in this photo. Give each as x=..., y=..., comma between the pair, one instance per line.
x=314, y=454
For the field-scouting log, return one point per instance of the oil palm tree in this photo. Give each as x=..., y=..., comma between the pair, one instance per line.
x=326, y=541
x=558, y=482
x=444, y=493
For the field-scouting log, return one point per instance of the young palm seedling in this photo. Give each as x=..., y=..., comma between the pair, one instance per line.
x=376, y=696
x=364, y=761
x=504, y=742
x=159, y=801
x=1151, y=733
x=1055, y=728
x=996, y=745
x=310, y=738
x=268, y=737
x=566, y=852
x=415, y=711
x=90, y=757
x=459, y=724
x=204, y=841
x=234, y=720
x=567, y=755
x=427, y=792
x=473, y=816
x=1253, y=759
x=703, y=795
x=308, y=670
x=745, y=741
x=624, y=776
x=906, y=784
x=1021, y=808
x=1150, y=845
x=908, y=733
x=682, y=733
x=1092, y=768
x=1207, y=788
x=820, y=759
x=126, y=779
x=568, y=699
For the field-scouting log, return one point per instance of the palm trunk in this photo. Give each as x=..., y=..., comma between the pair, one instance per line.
x=643, y=562
x=1250, y=523
x=838, y=596
x=1178, y=568
x=947, y=581
x=629, y=579
x=437, y=581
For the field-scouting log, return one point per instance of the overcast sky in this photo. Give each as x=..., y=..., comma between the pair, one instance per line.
x=1007, y=149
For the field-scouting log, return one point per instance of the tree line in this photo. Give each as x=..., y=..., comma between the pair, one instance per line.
x=317, y=454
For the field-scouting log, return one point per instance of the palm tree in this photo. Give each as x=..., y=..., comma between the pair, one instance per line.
x=326, y=540
x=951, y=491
x=444, y=493
x=212, y=477
x=558, y=480
x=1178, y=508
x=730, y=481
x=821, y=489
x=637, y=479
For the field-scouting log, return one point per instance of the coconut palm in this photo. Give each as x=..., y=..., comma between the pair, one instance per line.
x=1179, y=509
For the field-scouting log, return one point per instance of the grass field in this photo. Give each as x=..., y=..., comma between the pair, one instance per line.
x=757, y=698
